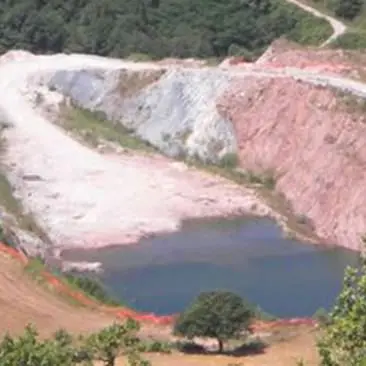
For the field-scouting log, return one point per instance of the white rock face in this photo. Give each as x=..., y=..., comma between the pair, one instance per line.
x=176, y=113
x=82, y=198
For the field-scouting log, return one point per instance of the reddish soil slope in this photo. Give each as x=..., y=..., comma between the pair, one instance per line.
x=314, y=141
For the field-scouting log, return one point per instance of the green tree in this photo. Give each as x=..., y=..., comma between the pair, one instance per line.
x=344, y=339
x=116, y=340
x=348, y=9
x=30, y=351
x=183, y=28
x=218, y=314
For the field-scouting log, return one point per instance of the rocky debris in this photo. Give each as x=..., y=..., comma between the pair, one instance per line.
x=24, y=240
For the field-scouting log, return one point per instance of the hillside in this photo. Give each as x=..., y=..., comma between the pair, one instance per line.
x=210, y=113
x=352, y=14
x=22, y=301
x=177, y=28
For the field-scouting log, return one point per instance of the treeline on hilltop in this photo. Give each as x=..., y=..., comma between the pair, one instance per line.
x=157, y=28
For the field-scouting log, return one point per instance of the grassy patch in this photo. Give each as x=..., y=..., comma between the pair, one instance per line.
x=90, y=287
x=310, y=31
x=94, y=128
x=156, y=346
x=355, y=36
x=227, y=168
x=351, y=40
x=295, y=224
x=139, y=57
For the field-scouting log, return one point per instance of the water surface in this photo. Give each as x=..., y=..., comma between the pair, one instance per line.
x=248, y=256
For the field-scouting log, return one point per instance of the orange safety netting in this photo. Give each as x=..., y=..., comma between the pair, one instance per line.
x=61, y=287
x=124, y=312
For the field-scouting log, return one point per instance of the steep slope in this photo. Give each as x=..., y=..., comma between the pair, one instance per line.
x=316, y=146
x=279, y=119
x=83, y=198
x=283, y=120
x=22, y=302
x=339, y=28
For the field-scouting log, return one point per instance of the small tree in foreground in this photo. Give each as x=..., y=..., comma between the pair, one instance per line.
x=344, y=339
x=218, y=314
x=116, y=340
x=28, y=350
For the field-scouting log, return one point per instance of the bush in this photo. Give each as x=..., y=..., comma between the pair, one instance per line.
x=91, y=287
x=156, y=347
x=29, y=350
x=116, y=340
x=62, y=350
x=350, y=40
x=344, y=338
x=321, y=316
x=310, y=31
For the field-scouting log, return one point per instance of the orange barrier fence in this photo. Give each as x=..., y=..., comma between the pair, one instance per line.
x=124, y=312
x=80, y=297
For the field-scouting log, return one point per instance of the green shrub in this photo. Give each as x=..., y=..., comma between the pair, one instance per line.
x=310, y=31
x=351, y=40
x=343, y=340
x=63, y=350
x=91, y=287
x=229, y=161
x=321, y=316
x=156, y=346
x=116, y=340
x=29, y=350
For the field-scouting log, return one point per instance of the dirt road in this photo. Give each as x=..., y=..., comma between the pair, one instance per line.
x=338, y=27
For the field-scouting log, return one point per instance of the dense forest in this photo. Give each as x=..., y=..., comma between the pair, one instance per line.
x=157, y=28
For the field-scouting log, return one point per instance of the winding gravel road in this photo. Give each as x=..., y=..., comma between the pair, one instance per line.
x=338, y=27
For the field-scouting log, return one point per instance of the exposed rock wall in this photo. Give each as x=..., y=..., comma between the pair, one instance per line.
x=314, y=144
x=299, y=130
x=173, y=109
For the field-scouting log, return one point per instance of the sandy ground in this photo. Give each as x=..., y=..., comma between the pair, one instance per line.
x=22, y=302
x=287, y=353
